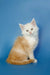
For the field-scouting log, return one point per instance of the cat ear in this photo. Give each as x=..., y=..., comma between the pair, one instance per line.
x=33, y=22
x=21, y=26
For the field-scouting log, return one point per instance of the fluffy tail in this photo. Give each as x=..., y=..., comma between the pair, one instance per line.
x=20, y=62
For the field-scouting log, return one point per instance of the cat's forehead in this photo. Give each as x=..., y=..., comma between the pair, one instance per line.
x=28, y=25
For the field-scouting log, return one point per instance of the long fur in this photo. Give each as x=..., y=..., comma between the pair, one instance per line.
x=24, y=45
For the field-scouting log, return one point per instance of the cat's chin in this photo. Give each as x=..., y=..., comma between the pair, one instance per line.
x=29, y=35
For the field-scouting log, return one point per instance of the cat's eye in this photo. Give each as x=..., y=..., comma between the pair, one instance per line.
x=31, y=28
x=27, y=30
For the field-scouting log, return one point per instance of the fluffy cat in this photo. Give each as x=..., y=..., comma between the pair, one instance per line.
x=24, y=46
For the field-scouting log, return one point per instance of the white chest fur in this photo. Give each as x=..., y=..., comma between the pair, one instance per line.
x=30, y=40
x=33, y=41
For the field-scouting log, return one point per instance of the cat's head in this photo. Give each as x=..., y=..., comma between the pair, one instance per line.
x=29, y=28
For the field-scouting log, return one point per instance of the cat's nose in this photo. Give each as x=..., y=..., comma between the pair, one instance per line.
x=30, y=32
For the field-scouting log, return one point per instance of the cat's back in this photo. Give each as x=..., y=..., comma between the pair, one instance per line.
x=20, y=40
x=21, y=43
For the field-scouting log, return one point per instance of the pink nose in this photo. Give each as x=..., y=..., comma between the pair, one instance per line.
x=30, y=32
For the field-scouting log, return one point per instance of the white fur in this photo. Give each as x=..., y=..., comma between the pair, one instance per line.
x=31, y=38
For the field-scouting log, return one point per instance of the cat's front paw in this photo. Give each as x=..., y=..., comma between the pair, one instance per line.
x=35, y=61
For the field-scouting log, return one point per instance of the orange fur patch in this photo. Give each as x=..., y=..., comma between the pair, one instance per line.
x=22, y=45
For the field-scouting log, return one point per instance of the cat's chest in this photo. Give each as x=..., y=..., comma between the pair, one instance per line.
x=31, y=40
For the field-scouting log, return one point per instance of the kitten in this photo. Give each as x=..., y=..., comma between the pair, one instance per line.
x=24, y=46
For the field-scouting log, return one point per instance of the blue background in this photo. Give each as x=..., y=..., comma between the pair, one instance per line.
x=13, y=12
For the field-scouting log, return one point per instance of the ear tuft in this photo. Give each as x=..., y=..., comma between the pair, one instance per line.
x=33, y=22
x=21, y=26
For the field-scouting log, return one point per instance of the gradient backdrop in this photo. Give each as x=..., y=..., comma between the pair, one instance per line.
x=13, y=12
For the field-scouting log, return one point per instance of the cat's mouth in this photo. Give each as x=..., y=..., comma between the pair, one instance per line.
x=30, y=32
